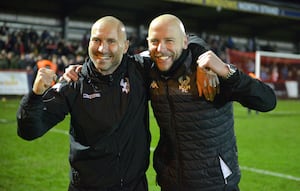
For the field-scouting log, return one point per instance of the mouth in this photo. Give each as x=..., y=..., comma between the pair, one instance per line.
x=105, y=57
x=163, y=58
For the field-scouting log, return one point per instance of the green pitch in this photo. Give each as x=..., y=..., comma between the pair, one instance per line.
x=268, y=145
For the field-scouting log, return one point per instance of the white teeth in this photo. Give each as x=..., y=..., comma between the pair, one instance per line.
x=163, y=57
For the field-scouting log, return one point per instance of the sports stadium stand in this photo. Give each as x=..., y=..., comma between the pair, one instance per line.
x=58, y=29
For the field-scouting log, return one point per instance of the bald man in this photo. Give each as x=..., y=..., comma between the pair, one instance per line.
x=197, y=148
x=109, y=129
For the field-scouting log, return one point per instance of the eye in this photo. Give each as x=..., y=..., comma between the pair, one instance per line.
x=169, y=41
x=154, y=41
x=111, y=41
x=95, y=40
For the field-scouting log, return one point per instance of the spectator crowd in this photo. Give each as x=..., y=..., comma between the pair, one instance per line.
x=21, y=50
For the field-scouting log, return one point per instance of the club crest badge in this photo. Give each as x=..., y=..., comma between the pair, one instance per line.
x=184, y=84
x=124, y=83
x=154, y=85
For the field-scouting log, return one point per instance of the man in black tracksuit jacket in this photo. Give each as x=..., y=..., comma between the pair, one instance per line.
x=109, y=129
x=197, y=147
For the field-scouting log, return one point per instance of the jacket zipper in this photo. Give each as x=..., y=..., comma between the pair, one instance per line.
x=119, y=165
x=171, y=105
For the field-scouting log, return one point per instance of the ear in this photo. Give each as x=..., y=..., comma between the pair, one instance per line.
x=126, y=46
x=185, y=42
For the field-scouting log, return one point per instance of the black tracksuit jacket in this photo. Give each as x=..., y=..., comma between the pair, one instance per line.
x=109, y=128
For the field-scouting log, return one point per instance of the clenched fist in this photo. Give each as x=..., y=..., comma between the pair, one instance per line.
x=207, y=83
x=44, y=80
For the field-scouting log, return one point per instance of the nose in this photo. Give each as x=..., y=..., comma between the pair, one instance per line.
x=103, y=47
x=161, y=46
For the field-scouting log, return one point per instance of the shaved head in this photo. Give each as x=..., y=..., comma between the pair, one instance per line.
x=166, y=40
x=108, y=43
x=112, y=22
x=168, y=19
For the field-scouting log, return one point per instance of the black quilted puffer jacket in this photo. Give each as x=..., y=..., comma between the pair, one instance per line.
x=197, y=147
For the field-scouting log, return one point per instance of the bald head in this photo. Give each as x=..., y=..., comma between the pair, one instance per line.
x=168, y=20
x=166, y=40
x=112, y=22
x=108, y=43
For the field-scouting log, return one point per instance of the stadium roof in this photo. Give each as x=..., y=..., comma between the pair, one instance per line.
x=272, y=20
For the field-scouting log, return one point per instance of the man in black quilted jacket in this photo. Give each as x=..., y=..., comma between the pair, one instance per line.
x=197, y=148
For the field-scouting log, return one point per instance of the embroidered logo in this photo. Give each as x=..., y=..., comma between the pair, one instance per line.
x=184, y=84
x=124, y=83
x=153, y=85
x=90, y=96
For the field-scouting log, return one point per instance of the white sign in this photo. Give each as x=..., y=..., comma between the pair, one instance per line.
x=253, y=7
x=13, y=83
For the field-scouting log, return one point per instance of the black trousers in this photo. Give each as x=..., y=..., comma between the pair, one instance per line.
x=140, y=184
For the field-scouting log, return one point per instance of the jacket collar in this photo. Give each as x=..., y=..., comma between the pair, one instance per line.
x=89, y=71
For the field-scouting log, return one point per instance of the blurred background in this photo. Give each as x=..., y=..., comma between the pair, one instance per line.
x=261, y=37
x=58, y=30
